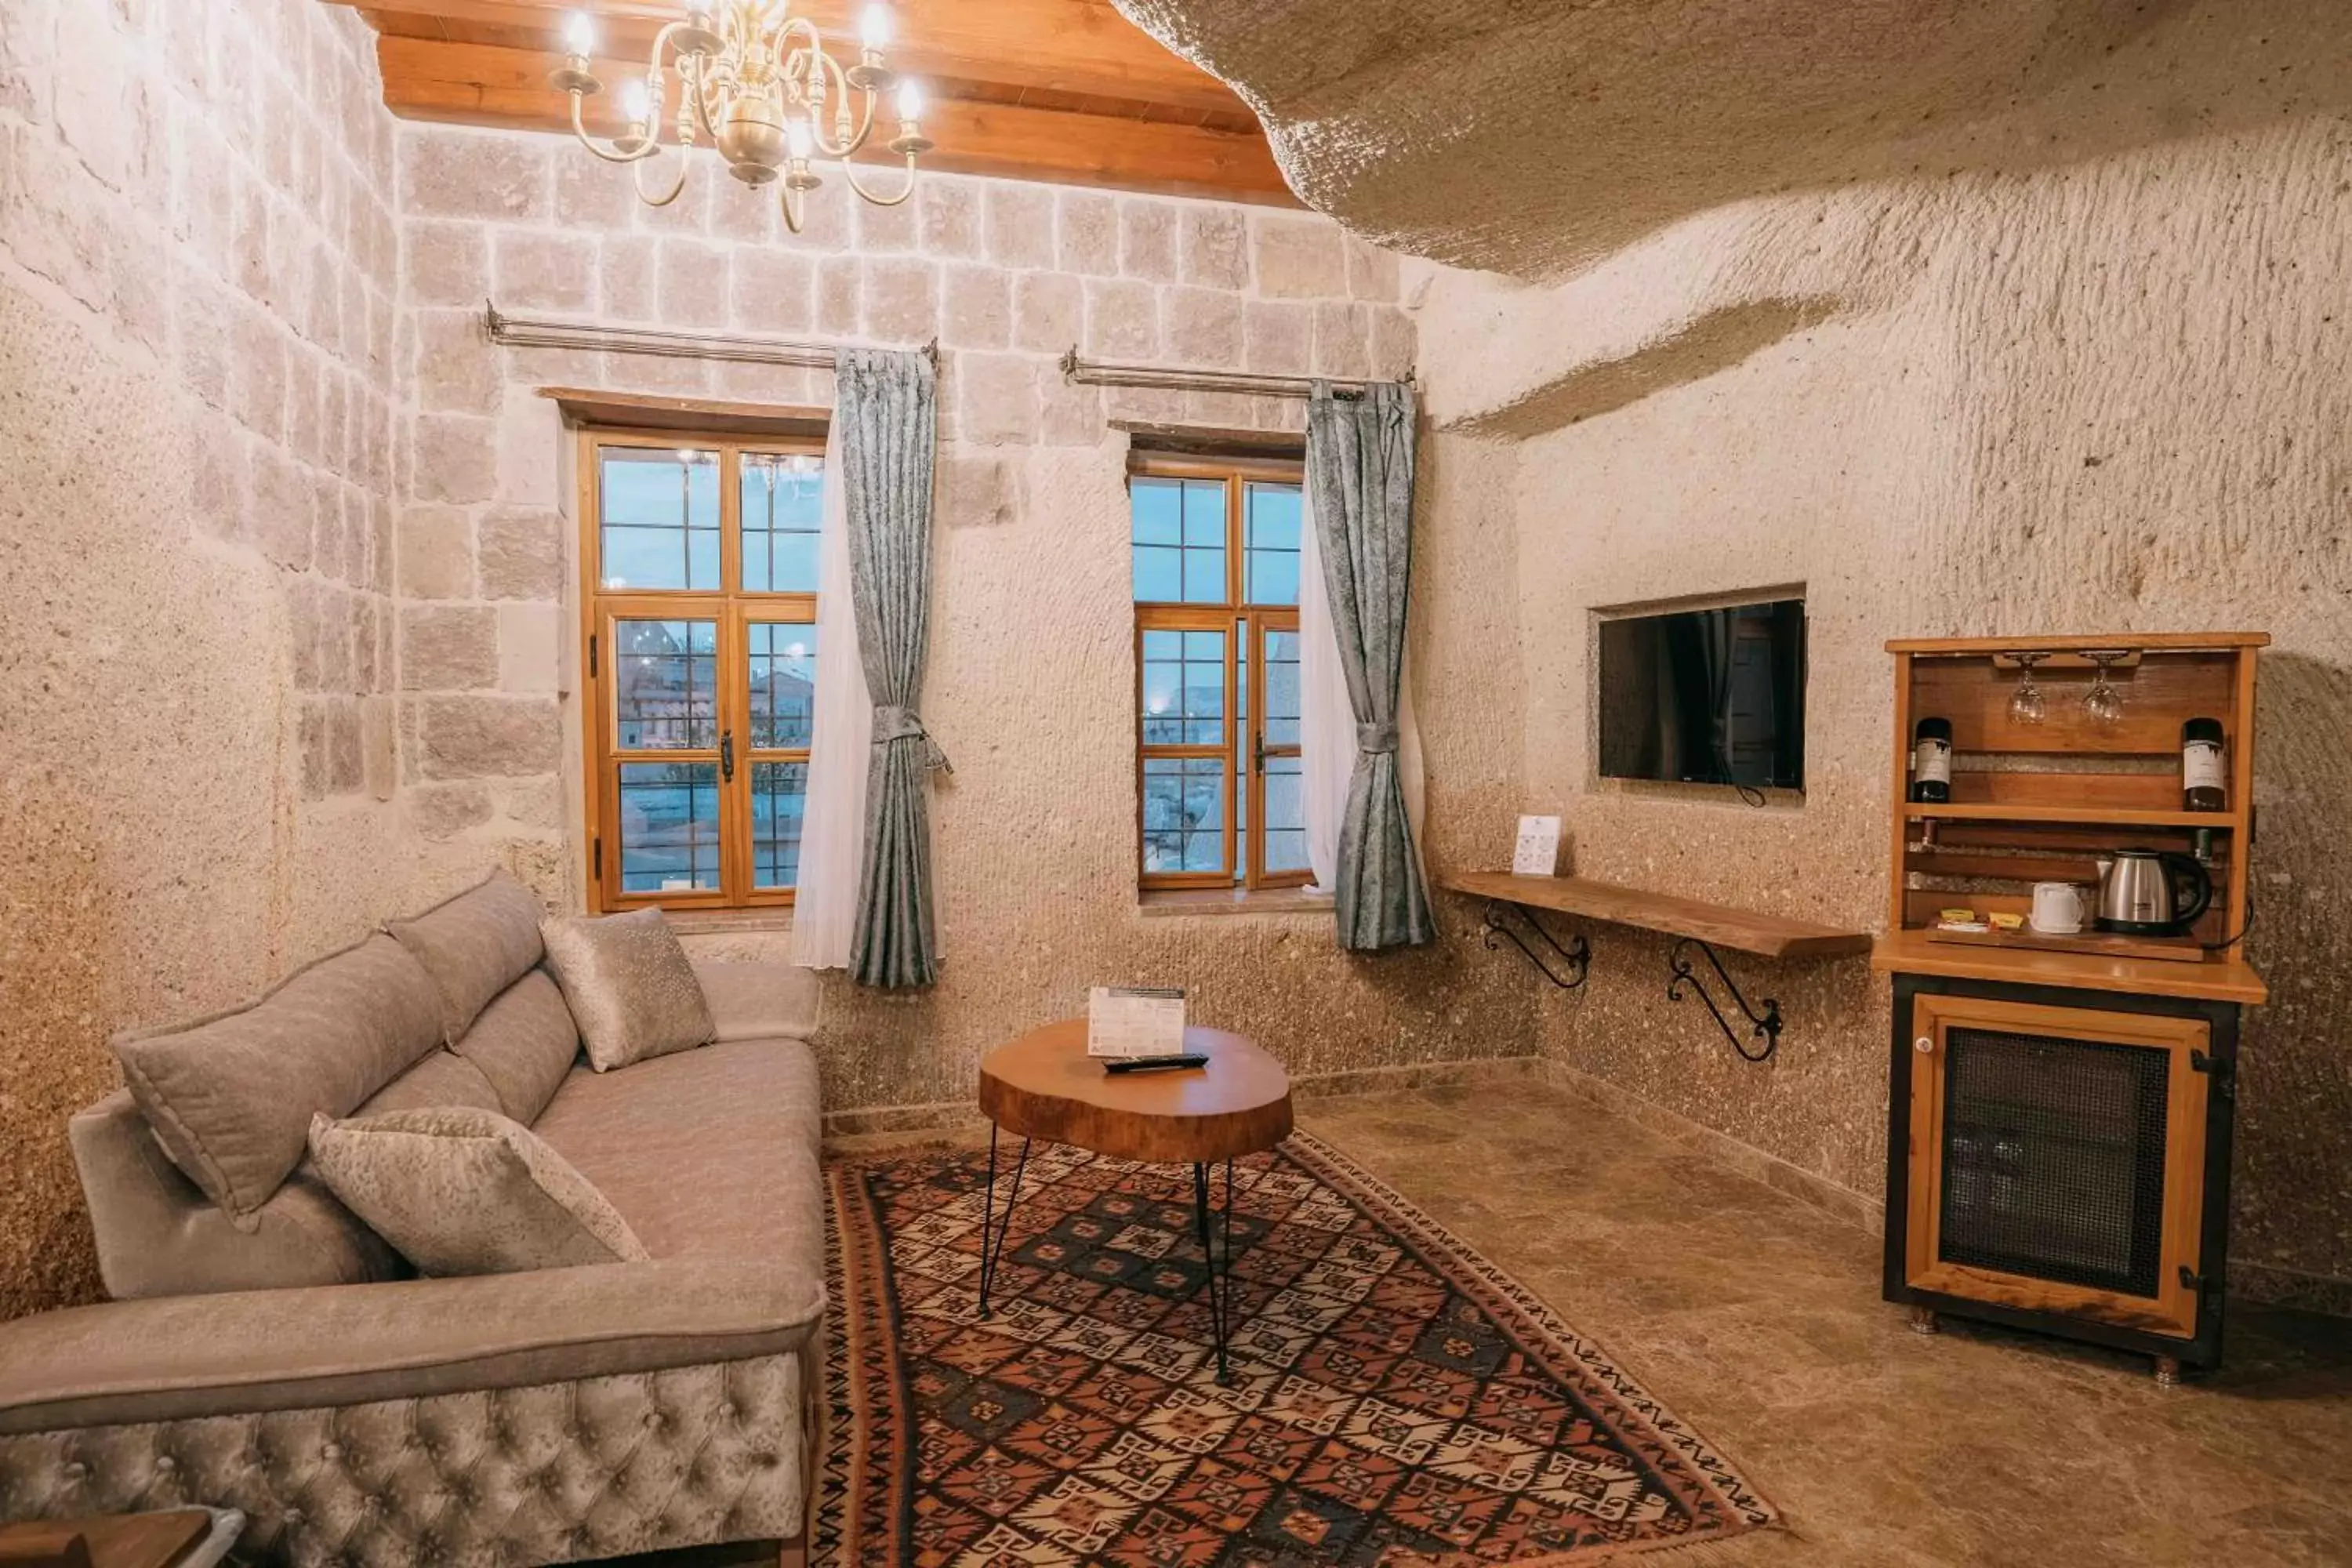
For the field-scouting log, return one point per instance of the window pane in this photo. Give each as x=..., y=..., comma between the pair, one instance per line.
x=669, y=827
x=1205, y=513
x=1183, y=813
x=779, y=801
x=783, y=657
x=1281, y=688
x=1183, y=689
x=783, y=507
x=660, y=516
x=1272, y=523
x=1204, y=576
x=1155, y=507
x=1285, y=815
x=665, y=683
x=1178, y=527
x=1159, y=574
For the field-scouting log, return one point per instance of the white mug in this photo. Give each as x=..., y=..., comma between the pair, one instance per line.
x=2058, y=909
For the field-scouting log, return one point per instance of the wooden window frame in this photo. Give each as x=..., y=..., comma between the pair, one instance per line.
x=733, y=610
x=1246, y=627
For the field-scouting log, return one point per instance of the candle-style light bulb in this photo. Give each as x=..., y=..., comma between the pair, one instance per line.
x=637, y=103
x=911, y=99
x=579, y=34
x=800, y=138
x=874, y=28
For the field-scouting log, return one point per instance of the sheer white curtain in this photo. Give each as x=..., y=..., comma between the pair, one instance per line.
x=833, y=825
x=1327, y=720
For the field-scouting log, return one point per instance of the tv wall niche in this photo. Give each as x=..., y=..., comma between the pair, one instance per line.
x=1711, y=695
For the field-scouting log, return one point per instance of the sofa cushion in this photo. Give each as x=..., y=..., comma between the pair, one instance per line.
x=443, y=1078
x=752, y=999
x=464, y=1192
x=629, y=986
x=158, y=1235
x=524, y=1043
x=474, y=946
x=231, y=1096
x=710, y=1154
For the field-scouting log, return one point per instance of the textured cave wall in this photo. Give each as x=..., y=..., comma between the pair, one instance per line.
x=1534, y=136
x=1031, y=678
x=198, y=272
x=2116, y=395
x=1992, y=317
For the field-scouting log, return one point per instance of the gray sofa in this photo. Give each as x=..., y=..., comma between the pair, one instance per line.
x=268, y=1352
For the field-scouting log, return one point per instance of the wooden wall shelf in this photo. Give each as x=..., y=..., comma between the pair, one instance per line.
x=2117, y=817
x=2228, y=979
x=1719, y=925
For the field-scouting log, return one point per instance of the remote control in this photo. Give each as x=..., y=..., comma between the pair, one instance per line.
x=1156, y=1064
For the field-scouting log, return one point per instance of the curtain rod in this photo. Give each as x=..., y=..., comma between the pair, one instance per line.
x=1179, y=378
x=545, y=333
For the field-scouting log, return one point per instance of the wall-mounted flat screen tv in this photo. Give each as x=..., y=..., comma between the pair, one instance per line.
x=1713, y=696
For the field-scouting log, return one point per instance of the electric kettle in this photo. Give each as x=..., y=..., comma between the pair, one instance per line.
x=2140, y=892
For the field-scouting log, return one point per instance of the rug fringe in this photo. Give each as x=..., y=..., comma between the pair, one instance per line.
x=1686, y=1554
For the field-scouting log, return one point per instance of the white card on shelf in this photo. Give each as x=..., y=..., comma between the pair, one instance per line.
x=1135, y=1021
x=1537, y=854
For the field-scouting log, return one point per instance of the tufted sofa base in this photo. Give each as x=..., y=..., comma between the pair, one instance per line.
x=551, y=1472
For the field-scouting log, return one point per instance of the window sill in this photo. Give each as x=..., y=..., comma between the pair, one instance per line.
x=1157, y=903
x=716, y=922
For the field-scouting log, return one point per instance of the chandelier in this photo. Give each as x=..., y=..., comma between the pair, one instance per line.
x=758, y=82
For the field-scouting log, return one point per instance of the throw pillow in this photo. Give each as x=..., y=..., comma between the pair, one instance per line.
x=458, y=1190
x=629, y=986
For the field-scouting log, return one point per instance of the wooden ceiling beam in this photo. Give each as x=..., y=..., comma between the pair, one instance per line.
x=1081, y=46
x=480, y=84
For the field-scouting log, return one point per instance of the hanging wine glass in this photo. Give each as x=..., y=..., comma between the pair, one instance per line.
x=2026, y=704
x=2103, y=701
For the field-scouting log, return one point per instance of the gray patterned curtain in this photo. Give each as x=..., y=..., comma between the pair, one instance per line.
x=888, y=420
x=1360, y=460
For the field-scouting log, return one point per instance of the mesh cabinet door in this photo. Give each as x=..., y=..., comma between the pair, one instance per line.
x=2057, y=1159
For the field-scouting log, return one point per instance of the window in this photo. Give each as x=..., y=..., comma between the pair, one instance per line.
x=1216, y=640
x=700, y=564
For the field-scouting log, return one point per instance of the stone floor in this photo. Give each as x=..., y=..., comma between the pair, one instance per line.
x=1756, y=1318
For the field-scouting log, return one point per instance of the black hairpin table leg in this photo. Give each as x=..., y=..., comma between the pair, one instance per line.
x=989, y=1254
x=1219, y=1259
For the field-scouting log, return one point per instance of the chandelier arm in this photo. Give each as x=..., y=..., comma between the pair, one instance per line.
x=844, y=149
x=848, y=148
x=796, y=211
x=676, y=189
x=849, y=171
x=699, y=81
x=612, y=151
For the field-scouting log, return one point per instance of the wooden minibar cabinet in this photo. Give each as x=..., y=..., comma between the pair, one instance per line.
x=2059, y=1127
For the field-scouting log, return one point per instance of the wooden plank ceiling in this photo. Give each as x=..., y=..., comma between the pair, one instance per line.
x=1063, y=90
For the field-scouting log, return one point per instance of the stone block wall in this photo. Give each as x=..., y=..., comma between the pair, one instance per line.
x=199, y=305
x=1031, y=681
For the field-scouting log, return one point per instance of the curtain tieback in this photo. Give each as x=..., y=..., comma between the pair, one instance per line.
x=1376, y=740
x=892, y=722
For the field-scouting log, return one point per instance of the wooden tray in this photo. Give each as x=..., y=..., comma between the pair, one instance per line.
x=2106, y=944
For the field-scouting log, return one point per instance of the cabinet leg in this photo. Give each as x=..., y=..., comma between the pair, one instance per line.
x=2168, y=1372
x=1923, y=1321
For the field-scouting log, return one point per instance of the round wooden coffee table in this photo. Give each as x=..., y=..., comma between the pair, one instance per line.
x=1044, y=1085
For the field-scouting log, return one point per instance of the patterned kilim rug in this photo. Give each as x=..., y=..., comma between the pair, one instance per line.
x=1394, y=1398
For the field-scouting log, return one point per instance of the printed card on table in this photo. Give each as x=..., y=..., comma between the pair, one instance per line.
x=1538, y=853
x=1135, y=1021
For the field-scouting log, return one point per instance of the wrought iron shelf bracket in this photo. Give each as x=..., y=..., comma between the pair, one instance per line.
x=1766, y=1025
x=1577, y=956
